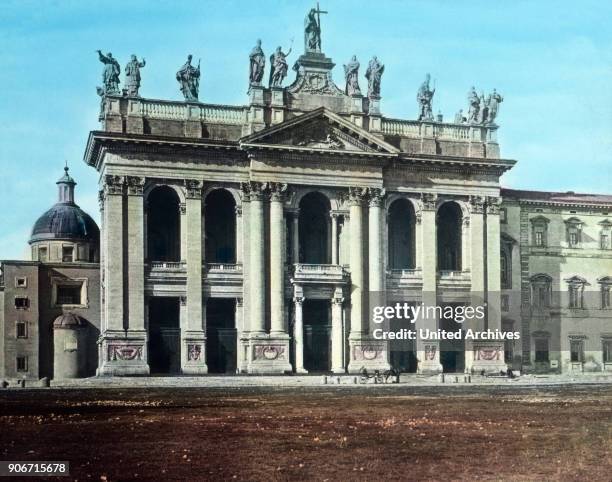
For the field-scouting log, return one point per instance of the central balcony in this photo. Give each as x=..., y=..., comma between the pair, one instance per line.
x=404, y=278
x=319, y=273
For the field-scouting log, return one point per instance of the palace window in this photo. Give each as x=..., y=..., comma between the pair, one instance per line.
x=606, y=285
x=68, y=292
x=541, y=350
x=42, y=254
x=577, y=351
x=503, y=215
x=22, y=302
x=575, y=289
x=22, y=363
x=605, y=242
x=21, y=329
x=21, y=282
x=607, y=350
x=539, y=231
x=541, y=290
x=67, y=254
x=507, y=243
x=574, y=232
x=505, y=302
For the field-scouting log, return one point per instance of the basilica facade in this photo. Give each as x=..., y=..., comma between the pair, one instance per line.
x=258, y=238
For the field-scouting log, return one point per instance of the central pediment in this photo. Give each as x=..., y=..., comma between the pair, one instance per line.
x=318, y=130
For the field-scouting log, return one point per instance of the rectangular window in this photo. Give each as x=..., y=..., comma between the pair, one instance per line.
x=22, y=363
x=604, y=241
x=69, y=294
x=503, y=215
x=22, y=302
x=505, y=302
x=539, y=238
x=573, y=239
x=576, y=351
x=541, y=350
x=21, y=282
x=21, y=328
x=541, y=297
x=42, y=254
x=67, y=254
x=575, y=297
x=607, y=351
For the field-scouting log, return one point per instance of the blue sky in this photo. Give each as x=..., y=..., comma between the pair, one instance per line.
x=551, y=60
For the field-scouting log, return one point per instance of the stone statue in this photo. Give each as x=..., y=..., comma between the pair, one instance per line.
x=493, y=102
x=351, y=74
x=188, y=77
x=110, y=74
x=258, y=63
x=278, y=67
x=424, y=98
x=484, y=110
x=312, y=30
x=474, y=103
x=132, y=75
x=374, y=74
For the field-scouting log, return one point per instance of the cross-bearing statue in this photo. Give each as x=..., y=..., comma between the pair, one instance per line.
x=493, y=102
x=474, y=103
x=110, y=74
x=351, y=74
x=188, y=77
x=424, y=98
x=374, y=74
x=312, y=30
x=132, y=75
x=258, y=63
x=278, y=67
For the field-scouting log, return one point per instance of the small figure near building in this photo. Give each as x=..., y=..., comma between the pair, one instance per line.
x=110, y=74
x=257, y=64
x=188, y=77
x=374, y=75
x=132, y=75
x=351, y=74
x=424, y=99
x=279, y=67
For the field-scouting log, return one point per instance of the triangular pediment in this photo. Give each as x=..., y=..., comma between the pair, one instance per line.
x=319, y=130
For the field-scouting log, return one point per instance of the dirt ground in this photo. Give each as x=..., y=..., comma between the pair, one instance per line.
x=367, y=433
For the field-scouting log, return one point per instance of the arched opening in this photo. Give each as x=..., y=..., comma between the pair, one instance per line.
x=163, y=225
x=314, y=229
x=449, y=226
x=220, y=227
x=401, y=235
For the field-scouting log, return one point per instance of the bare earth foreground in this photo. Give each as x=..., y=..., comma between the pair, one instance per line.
x=357, y=433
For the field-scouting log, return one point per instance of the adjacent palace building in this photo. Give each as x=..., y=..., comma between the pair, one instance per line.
x=255, y=239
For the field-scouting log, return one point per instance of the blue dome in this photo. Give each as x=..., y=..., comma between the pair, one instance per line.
x=65, y=221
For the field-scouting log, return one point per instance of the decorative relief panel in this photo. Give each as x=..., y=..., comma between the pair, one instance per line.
x=124, y=352
x=269, y=352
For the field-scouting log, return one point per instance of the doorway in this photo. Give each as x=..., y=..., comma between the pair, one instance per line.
x=452, y=352
x=221, y=335
x=164, y=345
x=317, y=335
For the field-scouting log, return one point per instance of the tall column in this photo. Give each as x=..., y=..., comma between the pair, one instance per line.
x=477, y=255
x=334, y=238
x=295, y=237
x=239, y=235
x=277, y=259
x=135, y=240
x=193, y=332
x=257, y=260
x=428, y=351
x=298, y=335
x=337, y=333
x=356, y=262
x=375, y=270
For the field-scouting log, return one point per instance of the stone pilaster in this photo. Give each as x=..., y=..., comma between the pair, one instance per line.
x=298, y=335
x=334, y=238
x=428, y=352
x=120, y=353
x=375, y=270
x=277, y=259
x=135, y=253
x=193, y=333
x=337, y=332
x=295, y=226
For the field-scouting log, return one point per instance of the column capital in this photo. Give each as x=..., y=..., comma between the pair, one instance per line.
x=253, y=190
x=113, y=185
x=429, y=201
x=278, y=191
x=376, y=196
x=298, y=300
x=135, y=185
x=493, y=205
x=356, y=195
x=101, y=197
x=477, y=204
x=193, y=188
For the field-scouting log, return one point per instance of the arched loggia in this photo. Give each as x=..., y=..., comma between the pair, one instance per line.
x=163, y=225
x=314, y=229
x=449, y=224
x=220, y=227
x=402, y=220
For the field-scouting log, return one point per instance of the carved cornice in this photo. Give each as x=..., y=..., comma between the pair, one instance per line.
x=477, y=204
x=376, y=196
x=114, y=185
x=278, y=191
x=135, y=185
x=356, y=195
x=193, y=188
x=428, y=201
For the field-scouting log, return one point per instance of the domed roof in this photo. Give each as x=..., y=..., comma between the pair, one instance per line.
x=65, y=220
x=68, y=320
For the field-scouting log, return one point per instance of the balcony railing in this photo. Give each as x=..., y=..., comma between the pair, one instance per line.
x=210, y=113
x=167, y=265
x=224, y=267
x=439, y=130
x=319, y=272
